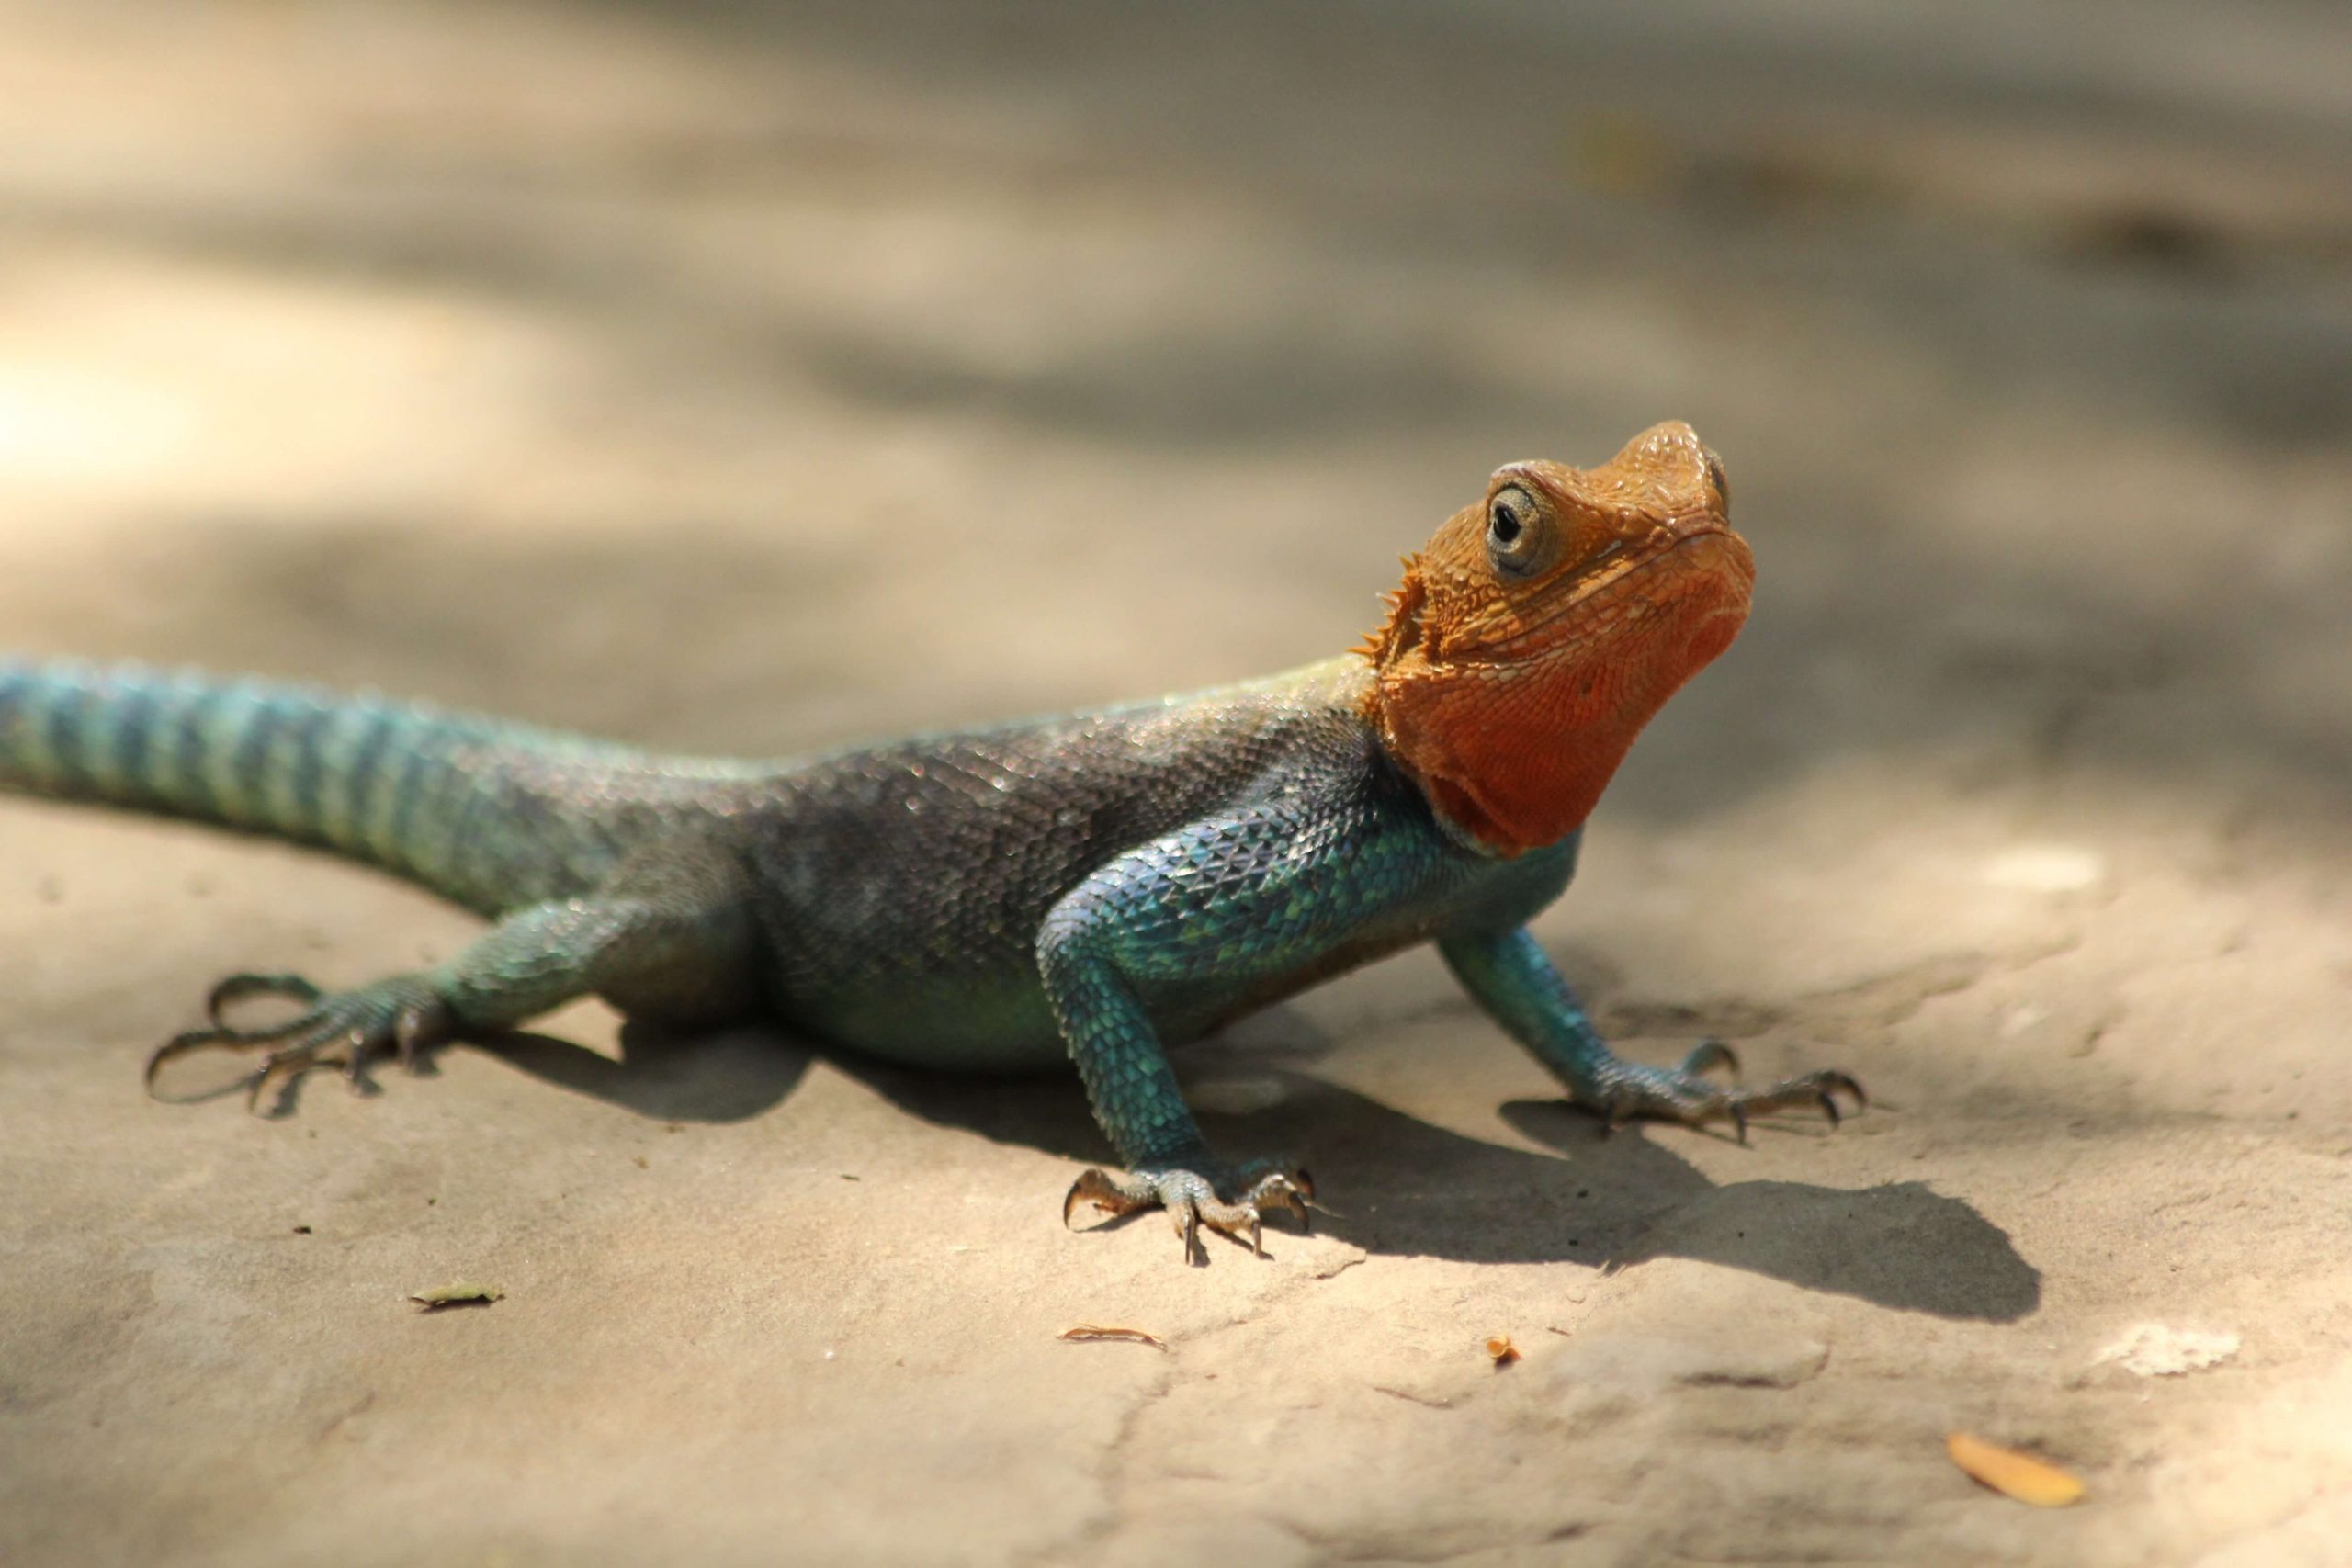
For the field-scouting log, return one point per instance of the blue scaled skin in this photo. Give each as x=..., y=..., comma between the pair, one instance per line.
x=1100, y=885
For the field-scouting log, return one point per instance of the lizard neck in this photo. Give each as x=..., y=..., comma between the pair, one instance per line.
x=1514, y=753
x=1508, y=782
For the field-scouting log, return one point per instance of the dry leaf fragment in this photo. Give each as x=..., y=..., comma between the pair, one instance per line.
x=1087, y=1331
x=2013, y=1474
x=457, y=1295
x=1502, y=1350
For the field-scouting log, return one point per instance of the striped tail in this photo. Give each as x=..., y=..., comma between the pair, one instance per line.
x=454, y=802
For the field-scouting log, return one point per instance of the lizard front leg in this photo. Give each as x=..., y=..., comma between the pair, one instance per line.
x=1509, y=975
x=1209, y=906
x=668, y=935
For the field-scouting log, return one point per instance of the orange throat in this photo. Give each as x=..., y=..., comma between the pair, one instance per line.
x=1514, y=744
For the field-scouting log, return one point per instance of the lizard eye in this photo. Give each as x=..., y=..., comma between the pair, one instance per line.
x=1518, y=533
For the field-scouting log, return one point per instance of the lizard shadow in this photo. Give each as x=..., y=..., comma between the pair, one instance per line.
x=715, y=1075
x=1898, y=1243
x=1390, y=1182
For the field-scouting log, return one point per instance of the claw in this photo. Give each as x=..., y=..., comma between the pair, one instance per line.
x=177, y=1046
x=236, y=988
x=1292, y=1201
x=401, y=1014
x=410, y=1033
x=1709, y=1054
x=1811, y=1089
x=1288, y=1192
x=1097, y=1187
x=354, y=1062
x=273, y=1067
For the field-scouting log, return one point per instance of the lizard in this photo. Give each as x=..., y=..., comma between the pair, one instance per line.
x=1095, y=886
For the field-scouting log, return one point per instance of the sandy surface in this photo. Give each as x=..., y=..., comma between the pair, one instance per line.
x=754, y=385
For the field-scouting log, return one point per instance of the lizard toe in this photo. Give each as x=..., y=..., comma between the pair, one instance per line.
x=1709, y=1054
x=1680, y=1095
x=345, y=1030
x=237, y=987
x=1194, y=1199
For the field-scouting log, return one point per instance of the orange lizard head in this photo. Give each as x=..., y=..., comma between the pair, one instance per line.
x=1540, y=629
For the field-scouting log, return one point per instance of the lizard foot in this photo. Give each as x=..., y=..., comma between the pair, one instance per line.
x=1193, y=1200
x=1680, y=1094
x=344, y=1029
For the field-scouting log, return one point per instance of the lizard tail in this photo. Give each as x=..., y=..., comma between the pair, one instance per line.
x=452, y=801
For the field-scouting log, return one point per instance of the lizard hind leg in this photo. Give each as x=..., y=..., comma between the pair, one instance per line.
x=670, y=934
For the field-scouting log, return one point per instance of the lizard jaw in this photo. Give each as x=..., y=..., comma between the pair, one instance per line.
x=1514, y=743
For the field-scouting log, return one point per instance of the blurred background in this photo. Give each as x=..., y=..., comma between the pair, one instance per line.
x=756, y=379
x=743, y=375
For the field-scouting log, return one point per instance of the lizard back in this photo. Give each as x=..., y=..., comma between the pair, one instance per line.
x=902, y=887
